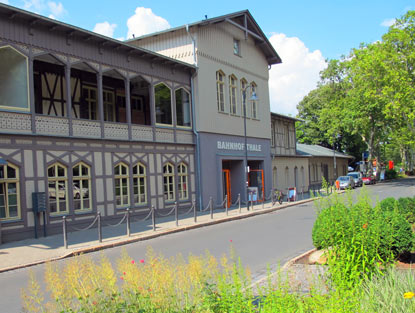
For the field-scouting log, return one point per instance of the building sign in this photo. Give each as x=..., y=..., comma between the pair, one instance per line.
x=238, y=146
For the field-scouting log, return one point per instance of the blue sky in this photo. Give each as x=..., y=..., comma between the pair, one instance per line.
x=310, y=31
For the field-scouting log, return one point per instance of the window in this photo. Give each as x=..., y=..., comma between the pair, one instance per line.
x=14, y=86
x=244, y=84
x=168, y=175
x=139, y=184
x=183, y=108
x=9, y=192
x=220, y=90
x=254, y=107
x=58, y=189
x=122, y=196
x=236, y=47
x=109, y=106
x=89, y=95
x=274, y=177
x=272, y=134
x=232, y=94
x=162, y=96
x=183, y=191
x=81, y=175
x=287, y=136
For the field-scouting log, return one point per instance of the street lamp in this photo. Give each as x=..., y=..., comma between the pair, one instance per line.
x=253, y=98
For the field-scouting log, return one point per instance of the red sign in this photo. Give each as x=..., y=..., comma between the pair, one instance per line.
x=391, y=165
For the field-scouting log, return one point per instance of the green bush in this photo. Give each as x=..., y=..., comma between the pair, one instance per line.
x=361, y=237
x=391, y=174
x=405, y=205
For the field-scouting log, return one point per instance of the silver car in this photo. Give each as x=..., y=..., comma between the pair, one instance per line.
x=357, y=177
x=346, y=182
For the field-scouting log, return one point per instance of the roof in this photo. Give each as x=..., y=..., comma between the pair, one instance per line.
x=319, y=151
x=243, y=20
x=286, y=117
x=36, y=20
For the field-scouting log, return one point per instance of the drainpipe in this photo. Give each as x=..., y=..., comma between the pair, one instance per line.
x=198, y=175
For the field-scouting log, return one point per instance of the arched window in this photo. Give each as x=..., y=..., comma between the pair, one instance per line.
x=139, y=184
x=244, y=84
x=168, y=175
x=122, y=195
x=9, y=192
x=162, y=96
x=220, y=90
x=81, y=176
x=232, y=94
x=287, y=177
x=14, y=87
x=183, y=184
x=302, y=178
x=183, y=108
x=254, y=105
x=58, y=188
x=296, y=177
x=274, y=178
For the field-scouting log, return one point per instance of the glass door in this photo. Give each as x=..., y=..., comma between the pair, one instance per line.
x=256, y=179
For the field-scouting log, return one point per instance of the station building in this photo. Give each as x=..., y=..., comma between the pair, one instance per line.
x=96, y=124
x=232, y=58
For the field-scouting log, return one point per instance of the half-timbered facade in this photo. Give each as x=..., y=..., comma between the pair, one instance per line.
x=95, y=124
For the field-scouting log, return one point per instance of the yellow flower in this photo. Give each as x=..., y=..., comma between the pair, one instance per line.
x=408, y=295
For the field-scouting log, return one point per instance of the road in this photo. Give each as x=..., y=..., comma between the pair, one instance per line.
x=259, y=241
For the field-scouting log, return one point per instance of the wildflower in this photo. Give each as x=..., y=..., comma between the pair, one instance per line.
x=123, y=273
x=408, y=295
x=94, y=303
x=122, y=278
x=230, y=240
x=132, y=261
x=364, y=225
x=142, y=261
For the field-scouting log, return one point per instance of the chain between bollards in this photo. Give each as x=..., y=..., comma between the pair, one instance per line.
x=99, y=227
x=128, y=223
x=176, y=215
x=65, y=234
x=211, y=207
x=153, y=217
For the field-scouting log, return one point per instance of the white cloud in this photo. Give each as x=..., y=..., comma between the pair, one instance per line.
x=388, y=22
x=49, y=8
x=4, y=1
x=144, y=21
x=56, y=8
x=298, y=74
x=105, y=29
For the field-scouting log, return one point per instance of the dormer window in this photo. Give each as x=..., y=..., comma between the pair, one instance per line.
x=236, y=47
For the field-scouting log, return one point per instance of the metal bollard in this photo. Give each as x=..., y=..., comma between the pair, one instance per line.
x=239, y=201
x=153, y=217
x=128, y=223
x=252, y=201
x=211, y=208
x=99, y=227
x=65, y=234
x=176, y=215
x=194, y=211
x=226, y=205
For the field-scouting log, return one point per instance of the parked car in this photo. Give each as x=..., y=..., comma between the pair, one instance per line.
x=62, y=190
x=345, y=182
x=369, y=180
x=357, y=177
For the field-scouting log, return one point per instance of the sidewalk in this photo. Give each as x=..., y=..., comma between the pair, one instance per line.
x=31, y=252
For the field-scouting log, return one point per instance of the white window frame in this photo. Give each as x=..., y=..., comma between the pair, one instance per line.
x=58, y=180
x=5, y=181
x=120, y=177
x=233, y=103
x=168, y=182
x=183, y=185
x=220, y=91
x=82, y=178
x=139, y=177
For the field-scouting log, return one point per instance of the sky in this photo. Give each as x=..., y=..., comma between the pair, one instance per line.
x=304, y=33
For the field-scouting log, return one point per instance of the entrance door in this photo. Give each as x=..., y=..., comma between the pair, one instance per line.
x=226, y=183
x=256, y=179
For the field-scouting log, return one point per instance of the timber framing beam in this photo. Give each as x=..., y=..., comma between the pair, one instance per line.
x=245, y=29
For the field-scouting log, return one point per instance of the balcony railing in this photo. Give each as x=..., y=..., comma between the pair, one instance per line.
x=21, y=123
